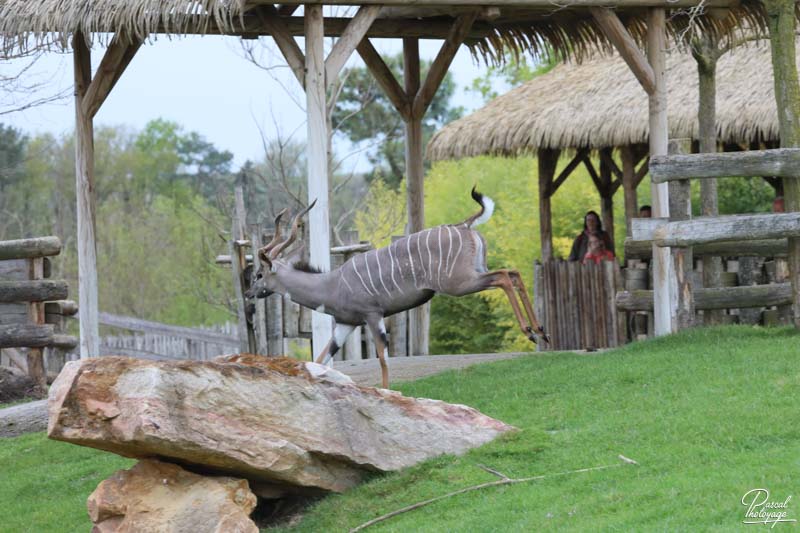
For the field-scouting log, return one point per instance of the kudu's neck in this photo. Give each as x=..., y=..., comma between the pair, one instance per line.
x=309, y=289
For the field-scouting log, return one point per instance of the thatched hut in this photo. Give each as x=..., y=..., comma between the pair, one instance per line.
x=598, y=106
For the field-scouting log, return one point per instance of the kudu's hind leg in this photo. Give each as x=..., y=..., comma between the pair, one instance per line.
x=340, y=334
x=516, y=279
x=502, y=279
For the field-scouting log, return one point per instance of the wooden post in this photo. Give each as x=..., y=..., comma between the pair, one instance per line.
x=419, y=318
x=606, y=193
x=781, y=21
x=664, y=286
x=237, y=267
x=84, y=176
x=260, y=314
x=35, y=357
x=680, y=208
x=629, y=186
x=318, y=218
x=546, y=160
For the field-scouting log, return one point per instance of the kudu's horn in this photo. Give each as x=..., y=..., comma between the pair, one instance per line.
x=276, y=238
x=292, y=236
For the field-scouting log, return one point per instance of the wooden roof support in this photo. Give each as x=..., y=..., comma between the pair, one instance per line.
x=580, y=155
x=286, y=44
x=442, y=62
x=664, y=280
x=116, y=59
x=524, y=3
x=383, y=75
x=353, y=34
x=547, y=159
x=612, y=27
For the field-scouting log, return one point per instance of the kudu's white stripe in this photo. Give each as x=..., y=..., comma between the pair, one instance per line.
x=380, y=274
x=411, y=259
x=391, y=260
x=369, y=274
x=355, y=269
x=430, y=256
x=344, y=278
x=455, y=258
x=439, y=268
x=449, y=250
x=419, y=253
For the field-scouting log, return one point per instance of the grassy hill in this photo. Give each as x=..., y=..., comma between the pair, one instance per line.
x=708, y=414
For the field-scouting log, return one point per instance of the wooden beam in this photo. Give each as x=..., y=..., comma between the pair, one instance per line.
x=629, y=188
x=383, y=75
x=643, y=249
x=286, y=10
x=598, y=184
x=28, y=248
x=353, y=34
x=116, y=59
x=784, y=162
x=715, y=298
x=317, y=158
x=664, y=281
x=157, y=328
x=441, y=63
x=641, y=172
x=547, y=160
x=728, y=228
x=276, y=26
x=85, y=192
x=580, y=155
x=606, y=194
x=628, y=49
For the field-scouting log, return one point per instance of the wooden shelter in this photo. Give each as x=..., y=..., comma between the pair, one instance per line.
x=491, y=29
x=597, y=106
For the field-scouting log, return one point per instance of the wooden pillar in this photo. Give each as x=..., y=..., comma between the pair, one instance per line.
x=606, y=193
x=546, y=160
x=85, y=192
x=680, y=208
x=317, y=154
x=629, y=186
x=419, y=318
x=781, y=21
x=664, y=287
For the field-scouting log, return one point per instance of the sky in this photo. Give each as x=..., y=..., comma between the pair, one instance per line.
x=207, y=85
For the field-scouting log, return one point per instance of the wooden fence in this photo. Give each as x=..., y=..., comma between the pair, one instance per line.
x=575, y=302
x=32, y=307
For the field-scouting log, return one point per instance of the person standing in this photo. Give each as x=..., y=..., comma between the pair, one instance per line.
x=591, y=225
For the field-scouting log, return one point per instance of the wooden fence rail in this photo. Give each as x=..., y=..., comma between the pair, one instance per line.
x=783, y=162
x=715, y=298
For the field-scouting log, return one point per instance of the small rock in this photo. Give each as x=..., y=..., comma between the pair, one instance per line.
x=161, y=497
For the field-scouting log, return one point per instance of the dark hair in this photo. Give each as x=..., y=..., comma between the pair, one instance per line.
x=599, y=221
x=646, y=207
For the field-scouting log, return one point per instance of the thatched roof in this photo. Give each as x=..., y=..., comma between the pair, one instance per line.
x=600, y=104
x=561, y=27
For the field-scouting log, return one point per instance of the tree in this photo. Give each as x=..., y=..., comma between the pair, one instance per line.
x=364, y=114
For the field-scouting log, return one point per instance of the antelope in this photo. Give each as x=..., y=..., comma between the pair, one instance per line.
x=448, y=259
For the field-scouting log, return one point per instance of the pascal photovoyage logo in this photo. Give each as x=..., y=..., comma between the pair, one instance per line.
x=762, y=510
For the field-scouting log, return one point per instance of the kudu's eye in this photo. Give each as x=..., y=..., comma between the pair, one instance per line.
x=260, y=275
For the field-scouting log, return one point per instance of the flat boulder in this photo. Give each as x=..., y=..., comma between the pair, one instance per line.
x=161, y=497
x=283, y=424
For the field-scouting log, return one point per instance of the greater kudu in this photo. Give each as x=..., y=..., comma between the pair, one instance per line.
x=449, y=259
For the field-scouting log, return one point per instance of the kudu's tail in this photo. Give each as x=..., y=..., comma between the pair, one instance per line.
x=487, y=208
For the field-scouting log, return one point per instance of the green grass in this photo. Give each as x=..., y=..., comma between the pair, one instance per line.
x=709, y=414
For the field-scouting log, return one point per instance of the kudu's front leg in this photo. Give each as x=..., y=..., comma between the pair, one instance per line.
x=340, y=334
x=378, y=328
x=516, y=279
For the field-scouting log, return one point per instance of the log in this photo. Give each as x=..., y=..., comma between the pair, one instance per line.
x=628, y=49
x=33, y=291
x=353, y=33
x=385, y=78
x=24, y=418
x=61, y=307
x=30, y=248
x=715, y=298
x=64, y=342
x=643, y=249
x=728, y=228
x=26, y=336
x=783, y=162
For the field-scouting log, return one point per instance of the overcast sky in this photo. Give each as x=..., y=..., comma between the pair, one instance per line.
x=206, y=85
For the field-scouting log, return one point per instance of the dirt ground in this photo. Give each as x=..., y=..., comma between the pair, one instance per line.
x=368, y=371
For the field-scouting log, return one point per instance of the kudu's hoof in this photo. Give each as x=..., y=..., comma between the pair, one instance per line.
x=531, y=335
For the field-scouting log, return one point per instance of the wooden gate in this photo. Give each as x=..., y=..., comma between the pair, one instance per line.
x=575, y=303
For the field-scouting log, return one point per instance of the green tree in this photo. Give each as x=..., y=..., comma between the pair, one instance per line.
x=512, y=72
x=364, y=114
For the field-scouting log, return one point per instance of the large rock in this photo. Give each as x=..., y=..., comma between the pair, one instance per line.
x=277, y=422
x=164, y=498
